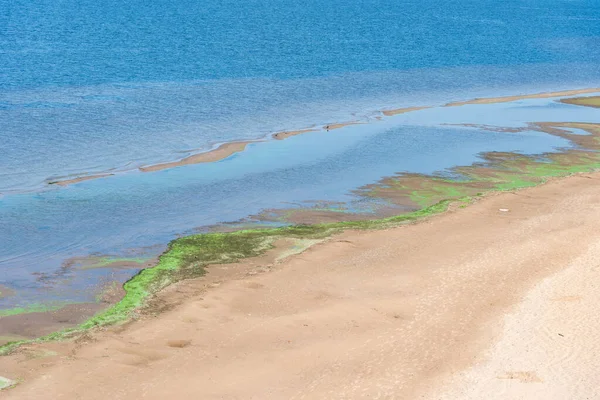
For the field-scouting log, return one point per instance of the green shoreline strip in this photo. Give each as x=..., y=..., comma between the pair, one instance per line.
x=187, y=257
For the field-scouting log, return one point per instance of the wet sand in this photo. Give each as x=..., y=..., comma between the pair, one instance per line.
x=495, y=300
x=38, y=324
x=220, y=153
x=506, y=99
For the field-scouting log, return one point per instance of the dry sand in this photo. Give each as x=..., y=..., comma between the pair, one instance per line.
x=220, y=153
x=494, y=301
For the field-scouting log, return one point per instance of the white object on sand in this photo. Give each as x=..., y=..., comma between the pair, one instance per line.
x=6, y=383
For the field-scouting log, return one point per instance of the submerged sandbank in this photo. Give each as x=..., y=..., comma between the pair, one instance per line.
x=384, y=313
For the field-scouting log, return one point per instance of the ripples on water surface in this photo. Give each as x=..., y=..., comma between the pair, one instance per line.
x=90, y=87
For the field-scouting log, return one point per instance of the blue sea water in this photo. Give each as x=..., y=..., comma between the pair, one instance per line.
x=88, y=87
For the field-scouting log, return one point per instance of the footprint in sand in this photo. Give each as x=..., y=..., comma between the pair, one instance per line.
x=139, y=357
x=179, y=343
x=254, y=285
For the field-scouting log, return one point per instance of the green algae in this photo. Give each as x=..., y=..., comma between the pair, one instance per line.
x=187, y=257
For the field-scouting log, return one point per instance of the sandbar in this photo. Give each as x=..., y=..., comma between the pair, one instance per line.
x=330, y=127
x=67, y=182
x=397, y=111
x=506, y=99
x=499, y=295
x=287, y=134
x=220, y=153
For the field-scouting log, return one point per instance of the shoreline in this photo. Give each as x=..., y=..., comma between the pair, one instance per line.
x=477, y=283
x=188, y=257
x=227, y=149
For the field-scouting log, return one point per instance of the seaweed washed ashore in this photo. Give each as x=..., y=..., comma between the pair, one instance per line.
x=427, y=195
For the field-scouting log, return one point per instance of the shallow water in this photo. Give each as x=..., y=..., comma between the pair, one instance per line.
x=88, y=88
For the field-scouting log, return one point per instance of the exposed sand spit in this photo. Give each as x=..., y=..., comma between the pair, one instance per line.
x=469, y=304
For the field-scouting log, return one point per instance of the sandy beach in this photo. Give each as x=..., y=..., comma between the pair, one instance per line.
x=495, y=300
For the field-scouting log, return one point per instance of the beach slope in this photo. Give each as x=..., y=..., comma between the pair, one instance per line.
x=495, y=300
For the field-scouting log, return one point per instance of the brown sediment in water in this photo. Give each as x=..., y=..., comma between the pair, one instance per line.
x=38, y=324
x=67, y=182
x=95, y=262
x=506, y=99
x=287, y=134
x=592, y=101
x=5, y=291
x=397, y=111
x=220, y=153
